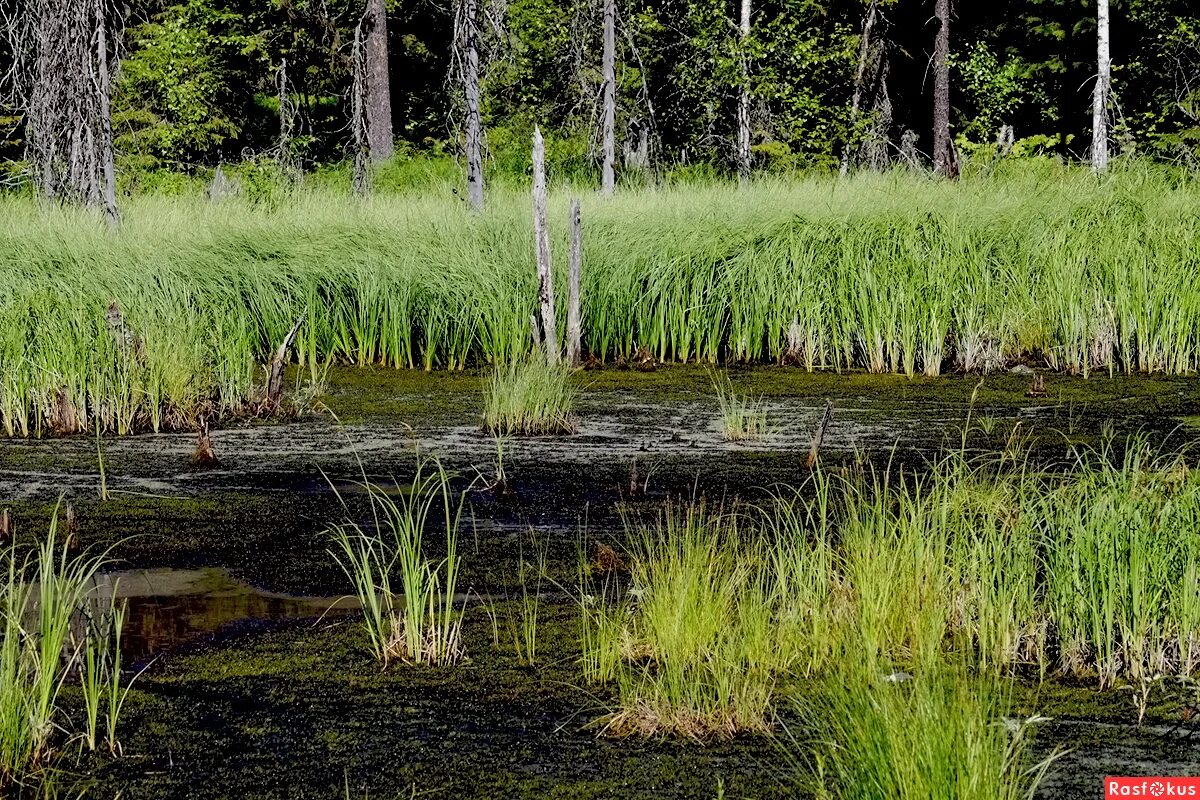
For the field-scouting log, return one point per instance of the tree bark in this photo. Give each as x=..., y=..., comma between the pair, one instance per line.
x=474, y=120
x=609, y=69
x=358, y=113
x=944, y=163
x=541, y=236
x=864, y=50
x=743, y=109
x=574, y=334
x=1103, y=88
x=107, y=158
x=379, y=93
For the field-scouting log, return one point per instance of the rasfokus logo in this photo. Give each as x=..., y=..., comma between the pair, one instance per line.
x=1157, y=786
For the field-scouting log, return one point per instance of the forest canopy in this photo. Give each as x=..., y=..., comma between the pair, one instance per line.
x=201, y=82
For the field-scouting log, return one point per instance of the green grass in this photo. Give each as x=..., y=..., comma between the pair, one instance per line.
x=743, y=417
x=415, y=621
x=939, y=735
x=885, y=272
x=528, y=398
x=1089, y=571
x=52, y=629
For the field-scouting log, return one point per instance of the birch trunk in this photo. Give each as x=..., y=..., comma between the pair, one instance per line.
x=1103, y=88
x=574, y=334
x=474, y=121
x=743, y=110
x=379, y=93
x=609, y=68
x=943, y=153
x=864, y=51
x=541, y=235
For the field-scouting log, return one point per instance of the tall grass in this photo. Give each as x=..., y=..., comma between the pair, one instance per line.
x=743, y=417
x=46, y=600
x=1089, y=571
x=415, y=621
x=881, y=272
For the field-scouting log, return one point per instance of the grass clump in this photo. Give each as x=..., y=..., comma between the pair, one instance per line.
x=690, y=647
x=939, y=735
x=416, y=621
x=53, y=628
x=743, y=417
x=529, y=398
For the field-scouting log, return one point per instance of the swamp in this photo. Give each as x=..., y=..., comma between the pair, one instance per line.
x=600, y=399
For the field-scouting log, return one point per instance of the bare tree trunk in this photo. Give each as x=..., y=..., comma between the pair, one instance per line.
x=864, y=51
x=541, y=236
x=1103, y=88
x=944, y=162
x=379, y=95
x=609, y=69
x=358, y=113
x=574, y=335
x=474, y=120
x=743, y=109
x=59, y=76
x=104, y=87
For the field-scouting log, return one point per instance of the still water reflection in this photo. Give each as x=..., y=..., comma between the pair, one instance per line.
x=168, y=607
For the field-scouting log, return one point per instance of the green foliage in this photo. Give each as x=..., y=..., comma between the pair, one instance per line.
x=188, y=83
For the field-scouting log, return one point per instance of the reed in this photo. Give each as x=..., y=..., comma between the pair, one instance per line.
x=743, y=417
x=880, y=272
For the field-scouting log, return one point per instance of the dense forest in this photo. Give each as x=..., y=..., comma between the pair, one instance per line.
x=201, y=82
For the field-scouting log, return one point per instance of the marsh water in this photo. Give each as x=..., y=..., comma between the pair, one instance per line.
x=257, y=682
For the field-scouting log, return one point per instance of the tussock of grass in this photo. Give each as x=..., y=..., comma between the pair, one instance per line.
x=939, y=735
x=743, y=417
x=529, y=398
x=415, y=622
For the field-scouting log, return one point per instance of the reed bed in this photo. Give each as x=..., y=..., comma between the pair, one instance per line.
x=1089, y=572
x=880, y=272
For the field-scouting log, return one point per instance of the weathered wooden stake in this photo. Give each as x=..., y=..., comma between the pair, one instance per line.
x=6, y=526
x=541, y=236
x=574, y=334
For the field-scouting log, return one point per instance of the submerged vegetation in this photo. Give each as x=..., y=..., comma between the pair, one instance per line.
x=528, y=398
x=55, y=626
x=1089, y=572
x=881, y=272
x=417, y=621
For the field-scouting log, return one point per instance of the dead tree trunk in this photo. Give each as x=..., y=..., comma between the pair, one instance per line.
x=469, y=43
x=379, y=94
x=60, y=79
x=275, y=371
x=574, y=334
x=609, y=70
x=944, y=162
x=541, y=236
x=864, y=52
x=743, y=109
x=358, y=114
x=1103, y=88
